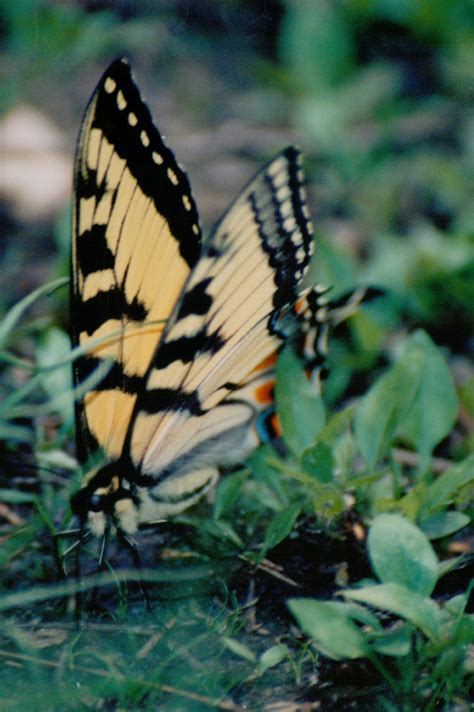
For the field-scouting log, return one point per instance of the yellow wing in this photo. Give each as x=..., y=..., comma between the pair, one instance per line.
x=135, y=239
x=197, y=406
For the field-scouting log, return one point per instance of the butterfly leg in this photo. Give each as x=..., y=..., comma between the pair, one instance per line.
x=104, y=546
x=83, y=535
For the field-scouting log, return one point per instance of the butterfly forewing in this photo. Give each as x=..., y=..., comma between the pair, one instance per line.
x=136, y=238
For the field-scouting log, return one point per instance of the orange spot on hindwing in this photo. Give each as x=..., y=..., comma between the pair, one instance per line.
x=264, y=393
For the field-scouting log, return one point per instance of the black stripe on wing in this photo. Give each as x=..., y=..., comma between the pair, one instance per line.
x=93, y=252
x=285, y=231
x=135, y=139
x=108, y=305
x=157, y=400
x=115, y=378
x=187, y=348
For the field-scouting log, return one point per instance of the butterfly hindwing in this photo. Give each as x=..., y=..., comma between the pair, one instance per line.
x=136, y=237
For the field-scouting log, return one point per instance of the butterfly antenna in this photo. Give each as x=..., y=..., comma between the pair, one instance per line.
x=133, y=549
x=65, y=534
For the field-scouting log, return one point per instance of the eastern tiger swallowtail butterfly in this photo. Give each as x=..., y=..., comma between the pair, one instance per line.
x=190, y=331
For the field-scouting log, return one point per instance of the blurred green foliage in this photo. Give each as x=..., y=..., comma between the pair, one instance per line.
x=379, y=94
x=403, y=560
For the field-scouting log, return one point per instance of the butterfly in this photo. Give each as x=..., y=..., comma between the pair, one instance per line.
x=186, y=331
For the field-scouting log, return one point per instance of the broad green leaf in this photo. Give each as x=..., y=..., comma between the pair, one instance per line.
x=272, y=657
x=337, y=425
x=383, y=408
x=368, y=333
x=400, y=553
x=279, y=528
x=344, y=454
x=333, y=632
x=328, y=500
x=443, y=524
x=228, y=492
x=433, y=412
x=265, y=474
x=300, y=410
x=423, y=612
x=411, y=503
x=317, y=462
x=456, y=605
x=355, y=612
x=395, y=642
x=442, y=491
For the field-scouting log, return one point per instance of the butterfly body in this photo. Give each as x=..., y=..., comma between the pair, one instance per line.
x=187, y=334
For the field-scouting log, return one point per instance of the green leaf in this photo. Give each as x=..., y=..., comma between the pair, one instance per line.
x=273, y=656
x=265, y=474
x=449, y=662
x=444, y=489
x=335, y=265
x=383, y=408
x=404, y=602
x=466, y=395
x=355, y=612
x=396, y=642
x=443, y=524
x=416, y=397
x=17, y=497
x=433, y=412
x=228, y=492
x=447, y=565
x=16, y=433
x=456, y=606
x=20, y=539
x=333, y=632
x=300, y=410
x=54, y=346
x=17, y=311
x=337, y=425
x=239, y=649
x=279, y=528
x=317, y=462
x=401, y=553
